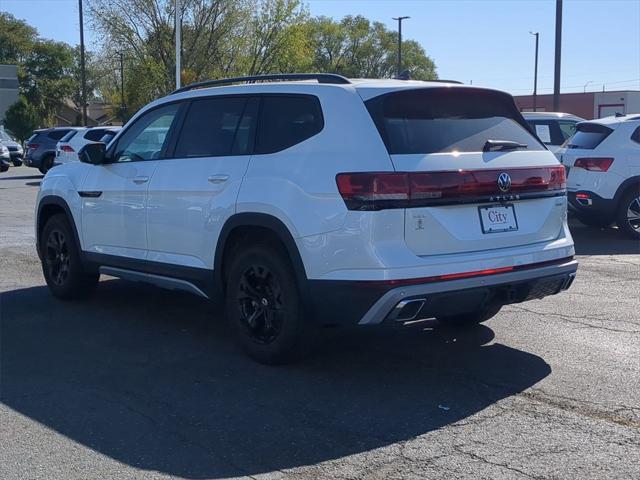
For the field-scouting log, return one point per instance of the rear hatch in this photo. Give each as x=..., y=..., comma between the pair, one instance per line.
x=582, y=146
x=477, y=178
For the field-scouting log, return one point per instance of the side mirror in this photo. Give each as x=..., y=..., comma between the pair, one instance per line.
x=93, y=153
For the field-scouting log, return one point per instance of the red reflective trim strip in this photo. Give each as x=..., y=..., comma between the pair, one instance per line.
x=582, y=195
x=488, y=271
x=461, y=275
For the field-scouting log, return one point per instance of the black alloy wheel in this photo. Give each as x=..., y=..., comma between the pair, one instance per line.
x=57, y=257
x=260, y=303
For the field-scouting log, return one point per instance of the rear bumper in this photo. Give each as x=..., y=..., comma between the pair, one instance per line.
x=373, y=303
x=591, y=204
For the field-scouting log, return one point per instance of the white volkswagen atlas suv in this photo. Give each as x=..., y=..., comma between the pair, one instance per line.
x=602, y=159
x=308, y=200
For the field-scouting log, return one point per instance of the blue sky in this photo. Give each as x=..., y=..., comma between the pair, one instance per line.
x=484, y=41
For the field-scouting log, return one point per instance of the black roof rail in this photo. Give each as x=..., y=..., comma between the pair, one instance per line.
x=320, y=77
x=406, y=75
x=446, y=81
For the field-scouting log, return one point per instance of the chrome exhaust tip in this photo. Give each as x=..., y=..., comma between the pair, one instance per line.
x=407, y=310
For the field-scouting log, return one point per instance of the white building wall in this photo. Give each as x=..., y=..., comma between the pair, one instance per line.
x=8, y=88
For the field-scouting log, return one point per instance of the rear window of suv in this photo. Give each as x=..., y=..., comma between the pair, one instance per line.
x=447, y=120
x=588, y=136
x=57, y=134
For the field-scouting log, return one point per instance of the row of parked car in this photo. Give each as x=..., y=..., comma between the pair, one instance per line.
x=602, y=160
x=48, y=147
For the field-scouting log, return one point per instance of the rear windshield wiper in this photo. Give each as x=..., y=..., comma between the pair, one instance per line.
x=502, y=145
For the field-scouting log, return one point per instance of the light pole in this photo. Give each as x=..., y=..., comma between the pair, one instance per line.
x=535, y=73
x=400, y=19
x=178, y=41
x=122, y=104
x=584, y=88
x=83, y=93
x=556, y=70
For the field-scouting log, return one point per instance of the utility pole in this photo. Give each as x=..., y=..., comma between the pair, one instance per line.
x=399, y=19
x=122, y=104
x=556, y=73
x=535, y=74
x=178, y=41
x=83, y=94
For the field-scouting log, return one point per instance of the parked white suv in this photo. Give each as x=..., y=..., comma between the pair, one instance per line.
x=68, y=147
x=315, y=201
x=603, y=164
x=552, y=128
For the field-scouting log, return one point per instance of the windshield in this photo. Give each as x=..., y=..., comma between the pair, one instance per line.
x=5, y=137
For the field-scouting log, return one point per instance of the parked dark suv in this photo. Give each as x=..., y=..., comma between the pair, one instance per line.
x=40, y=149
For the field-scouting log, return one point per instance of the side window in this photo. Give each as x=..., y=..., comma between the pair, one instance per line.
x=69, y=135
x=107, y=137
x=287, y=121
x=94, y=135
x=146, y=138
x=215, y=127
x=635, y=136
x=543, y=131
x=57, y=134
x=567, y=129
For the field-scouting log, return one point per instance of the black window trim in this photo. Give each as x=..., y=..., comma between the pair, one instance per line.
x=635, y=135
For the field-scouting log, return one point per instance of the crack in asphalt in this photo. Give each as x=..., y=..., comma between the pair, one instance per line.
x=459, y=448
x=580, y=407
x=574, y=320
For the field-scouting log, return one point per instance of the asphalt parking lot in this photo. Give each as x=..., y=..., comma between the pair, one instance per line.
x=139, y=383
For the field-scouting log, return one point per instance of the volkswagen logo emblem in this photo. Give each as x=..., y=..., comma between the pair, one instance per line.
x=504, y=182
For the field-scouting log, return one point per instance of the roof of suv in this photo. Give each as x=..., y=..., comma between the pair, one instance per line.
x=367, y=88
x=550, y=116
x=616, y=120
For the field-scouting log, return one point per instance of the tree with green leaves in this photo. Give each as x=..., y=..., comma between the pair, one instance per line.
x=21, y=118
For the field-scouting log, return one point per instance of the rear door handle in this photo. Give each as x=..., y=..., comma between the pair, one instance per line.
x=140, y=180
x=217, y=179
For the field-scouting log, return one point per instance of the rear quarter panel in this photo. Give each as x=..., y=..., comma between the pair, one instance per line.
x=298, y=185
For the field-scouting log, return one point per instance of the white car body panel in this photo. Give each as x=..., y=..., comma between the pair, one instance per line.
x=115, y=222
x=189, y=201
x=619, y=146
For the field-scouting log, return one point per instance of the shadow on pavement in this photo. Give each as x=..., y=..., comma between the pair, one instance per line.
x=23, y=177
x=144, y=376
x=33, y=184
x=602, y=241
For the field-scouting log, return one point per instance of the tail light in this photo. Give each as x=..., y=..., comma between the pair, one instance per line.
x=33, y=146
x=594, y=164
x=378, y=191
x=67, y=148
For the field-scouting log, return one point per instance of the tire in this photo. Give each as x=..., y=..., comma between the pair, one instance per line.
x=46, y=164
x=61, y=264
x=17, y=163
x=472, y=318
x=4, y=166
x=263, y=305
x=628, y=215
x=594, y=221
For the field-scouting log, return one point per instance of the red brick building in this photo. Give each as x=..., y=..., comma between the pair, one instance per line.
x=586, y=105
